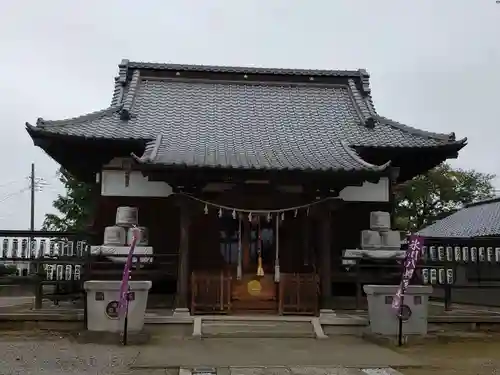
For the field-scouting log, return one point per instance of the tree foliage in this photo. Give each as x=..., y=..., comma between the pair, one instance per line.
x=74, y=208
x=437, y=194
x=7, y=270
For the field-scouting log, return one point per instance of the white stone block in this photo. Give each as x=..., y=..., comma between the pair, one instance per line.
x=102, y=305
x=391, y=240
x=370, y=239
x=380, y=221
x=109, y=251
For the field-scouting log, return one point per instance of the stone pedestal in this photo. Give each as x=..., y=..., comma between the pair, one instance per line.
x=181, y=312
x=384, y=319
x=102, y=305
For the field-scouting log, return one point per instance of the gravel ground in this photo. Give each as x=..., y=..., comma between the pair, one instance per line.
x=54, y=354
x=469, y=357
x=45, y=353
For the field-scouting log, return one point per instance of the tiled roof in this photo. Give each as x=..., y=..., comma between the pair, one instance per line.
x=241, y=70
x=105, y=123
x=241, y=124
x=477, y=219
x=269, y=150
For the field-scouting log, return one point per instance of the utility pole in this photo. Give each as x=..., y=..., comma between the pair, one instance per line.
x=32, y=183
x=38, y=289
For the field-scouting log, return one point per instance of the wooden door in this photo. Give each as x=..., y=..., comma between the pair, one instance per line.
x=253, y=292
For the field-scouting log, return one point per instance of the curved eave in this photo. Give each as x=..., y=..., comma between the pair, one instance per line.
x=149, y=158
x=440, y=137
x=451, y=146
x=369, y=166
x=321, y=173
x=79, y=119
x=36, y=132
x=84, y=127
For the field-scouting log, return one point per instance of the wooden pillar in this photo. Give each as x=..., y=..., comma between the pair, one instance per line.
x=97, y=225
x=183, y=277
x=246, y=243
x=325, y=257
x=393, y=177
x=306, y=245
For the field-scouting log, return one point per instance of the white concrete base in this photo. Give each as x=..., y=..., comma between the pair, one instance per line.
x=197, y=327
x=381, y=371
x=283, y=370
x=102, y=305
x=344, y=320
x=154, y=318
x=122, y=251
x=181, y=312
x=259, y=318
x=318, y=330
x=327, y=313
x=235, y=319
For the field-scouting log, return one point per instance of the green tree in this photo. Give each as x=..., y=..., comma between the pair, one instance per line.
x=7, y=270
x=75, y=207
x=437, y=194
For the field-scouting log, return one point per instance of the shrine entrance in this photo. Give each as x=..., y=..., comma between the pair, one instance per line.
x=254, y=287
x=253, y=264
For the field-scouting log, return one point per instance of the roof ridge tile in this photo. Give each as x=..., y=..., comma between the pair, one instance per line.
x=117, y=92
x=242, y=69
x=130, y=98
x=365, y=81
x=365, y=112
x=123, y=70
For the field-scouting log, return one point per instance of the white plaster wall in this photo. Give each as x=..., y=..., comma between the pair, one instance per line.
x=368, y=192
x=113, y=184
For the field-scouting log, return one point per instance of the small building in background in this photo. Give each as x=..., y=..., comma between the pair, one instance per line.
x=466, y=244
x=479, y=219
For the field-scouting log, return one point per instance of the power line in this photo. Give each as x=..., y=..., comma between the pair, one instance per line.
x=39, y=185
x=9, y=183
x=39, y=181
x=8, y=196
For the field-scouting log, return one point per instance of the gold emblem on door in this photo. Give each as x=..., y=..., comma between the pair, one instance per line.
x=254, y=288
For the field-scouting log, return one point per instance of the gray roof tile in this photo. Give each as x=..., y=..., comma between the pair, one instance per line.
x=245, y=124
x=478, y=219
x=105, y=123
x=241, y=70
x=269, y=151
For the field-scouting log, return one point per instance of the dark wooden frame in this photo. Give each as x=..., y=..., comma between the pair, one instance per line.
x=298, y=294
x=210, y=292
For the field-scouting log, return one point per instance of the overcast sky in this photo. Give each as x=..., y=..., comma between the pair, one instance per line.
x=433, y=64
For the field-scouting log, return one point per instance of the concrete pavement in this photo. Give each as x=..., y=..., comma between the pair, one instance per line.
x=38, y=353
x=338, y=351
x=31, y=354
x=8, y=304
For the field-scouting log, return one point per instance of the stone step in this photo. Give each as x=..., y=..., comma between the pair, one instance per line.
x=256, y=329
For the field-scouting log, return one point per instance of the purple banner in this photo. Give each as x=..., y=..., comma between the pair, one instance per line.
x=412, y=256
x=123, y=303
